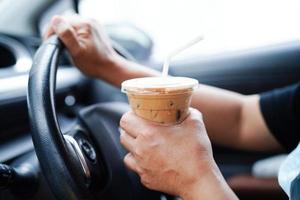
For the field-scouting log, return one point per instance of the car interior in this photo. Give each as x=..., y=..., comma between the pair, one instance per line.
x=45, y=101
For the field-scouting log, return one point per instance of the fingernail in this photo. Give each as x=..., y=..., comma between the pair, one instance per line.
x=59, y=25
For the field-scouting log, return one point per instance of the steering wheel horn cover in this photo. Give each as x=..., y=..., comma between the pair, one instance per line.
x=79, y=154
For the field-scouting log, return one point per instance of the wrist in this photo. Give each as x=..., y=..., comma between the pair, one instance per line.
x=111, y=63
x=117, y=69
x=112, y=70
x=209, y=185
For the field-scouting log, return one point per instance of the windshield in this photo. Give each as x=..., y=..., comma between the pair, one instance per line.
x=22, y=17
x=227, y=25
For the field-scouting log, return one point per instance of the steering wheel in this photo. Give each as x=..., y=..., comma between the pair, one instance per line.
x=87, y=161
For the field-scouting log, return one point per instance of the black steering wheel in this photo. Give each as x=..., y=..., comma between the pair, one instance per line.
x=86, y=162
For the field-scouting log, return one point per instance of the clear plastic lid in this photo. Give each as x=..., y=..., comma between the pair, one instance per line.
x=159, y=85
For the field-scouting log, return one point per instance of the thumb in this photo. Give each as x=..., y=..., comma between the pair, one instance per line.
x=64, y=30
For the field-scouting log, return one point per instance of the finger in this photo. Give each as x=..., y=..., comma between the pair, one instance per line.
x=48, y=32
x=130, y=162
x=195, y=115
x=74, y=20
x=195, y=112
x=130, y=124
x=127, y=141
x=134, y=125
x=66, y=33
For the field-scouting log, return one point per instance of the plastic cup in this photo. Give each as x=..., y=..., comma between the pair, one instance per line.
x=163, y=100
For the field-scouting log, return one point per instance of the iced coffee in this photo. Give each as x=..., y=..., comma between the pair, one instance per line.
x=163, y=100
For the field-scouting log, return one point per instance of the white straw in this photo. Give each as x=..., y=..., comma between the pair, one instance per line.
x=177, y=51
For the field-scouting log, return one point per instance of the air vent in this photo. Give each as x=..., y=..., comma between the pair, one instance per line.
x=13, y=56
x=7, y=57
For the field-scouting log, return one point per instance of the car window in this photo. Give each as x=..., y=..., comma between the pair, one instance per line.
x=227, y=25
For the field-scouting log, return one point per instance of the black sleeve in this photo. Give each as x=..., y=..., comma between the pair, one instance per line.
x=281, y=111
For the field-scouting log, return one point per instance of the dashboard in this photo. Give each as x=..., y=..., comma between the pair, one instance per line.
x=16, y=57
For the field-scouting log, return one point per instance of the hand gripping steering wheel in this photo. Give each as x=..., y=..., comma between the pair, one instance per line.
x=86, y=162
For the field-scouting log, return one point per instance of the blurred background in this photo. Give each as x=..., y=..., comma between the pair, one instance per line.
x=228, y=25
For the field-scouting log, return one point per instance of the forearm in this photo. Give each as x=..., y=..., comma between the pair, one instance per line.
x=234, y=120
x=121, y=69
x=221, y=110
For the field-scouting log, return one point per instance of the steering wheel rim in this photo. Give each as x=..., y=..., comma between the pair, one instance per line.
x=59, y=155
x=50, y=145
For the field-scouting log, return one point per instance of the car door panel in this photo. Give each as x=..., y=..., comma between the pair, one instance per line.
x=248, y=71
